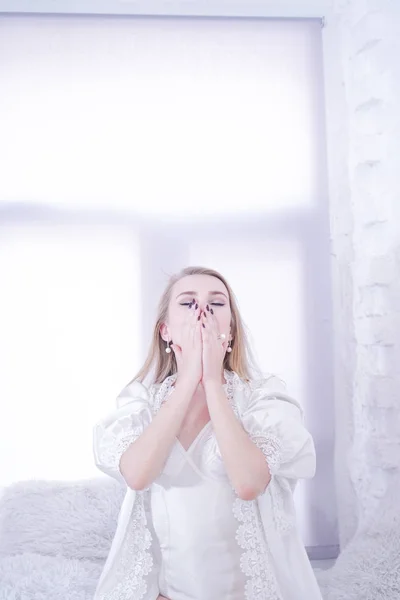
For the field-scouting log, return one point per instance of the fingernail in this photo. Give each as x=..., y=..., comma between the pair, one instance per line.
x=211, y=311
x=197, y=306
x=198, y=318
x=203, y=325
x=207, y=307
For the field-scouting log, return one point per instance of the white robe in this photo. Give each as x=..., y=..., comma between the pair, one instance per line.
x=163, y=532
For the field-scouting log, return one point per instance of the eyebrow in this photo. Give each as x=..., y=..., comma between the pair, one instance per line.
x=192, y=293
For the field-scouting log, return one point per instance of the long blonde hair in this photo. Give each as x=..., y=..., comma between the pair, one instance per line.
x=240, y=360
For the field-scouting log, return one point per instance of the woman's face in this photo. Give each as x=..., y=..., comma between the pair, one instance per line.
x=206, y=289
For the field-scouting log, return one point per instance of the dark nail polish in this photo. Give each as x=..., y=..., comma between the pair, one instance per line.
x=198, y=318
x=197, y=306
x=211, y=311
x=205, y=314
x=203, y=325
x=207, y=307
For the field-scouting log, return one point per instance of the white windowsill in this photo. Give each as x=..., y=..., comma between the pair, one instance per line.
x=290, y=9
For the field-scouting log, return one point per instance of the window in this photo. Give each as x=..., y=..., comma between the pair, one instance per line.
x=130, y=148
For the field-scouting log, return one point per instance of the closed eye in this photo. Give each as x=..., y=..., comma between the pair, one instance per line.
x=212, y=303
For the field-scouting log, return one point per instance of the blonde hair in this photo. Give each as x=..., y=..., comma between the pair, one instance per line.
x=240, y=360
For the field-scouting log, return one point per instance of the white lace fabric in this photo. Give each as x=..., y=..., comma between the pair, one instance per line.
x=136, y=559
x=117, y=440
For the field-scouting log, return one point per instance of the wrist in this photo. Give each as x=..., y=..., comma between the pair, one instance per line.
x=187, y=384
x=212, y=385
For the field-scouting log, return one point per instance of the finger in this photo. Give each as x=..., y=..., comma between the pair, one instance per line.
x=191, y=313
x=189, y=322
x=214, y=330
x=196, y=313
x=196, y=323
x=191, y=306
x=212, y=322
x=199, y=325
x=205, y=330
x=191, y=326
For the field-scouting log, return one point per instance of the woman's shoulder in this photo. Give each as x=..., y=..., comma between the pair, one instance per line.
x=264, y=382
x=267, y=389
x=132, y=391
x=269, y=382
x=152, y=392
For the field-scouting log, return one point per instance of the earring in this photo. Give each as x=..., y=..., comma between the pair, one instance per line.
x=229, y=349
x=168, y=349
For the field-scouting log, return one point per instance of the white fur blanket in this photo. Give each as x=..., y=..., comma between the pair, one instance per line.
x=55, y=537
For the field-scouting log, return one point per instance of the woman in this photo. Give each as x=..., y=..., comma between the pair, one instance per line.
x=210, y=457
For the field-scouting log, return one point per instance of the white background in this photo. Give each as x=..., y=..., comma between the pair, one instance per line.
x=131, y=148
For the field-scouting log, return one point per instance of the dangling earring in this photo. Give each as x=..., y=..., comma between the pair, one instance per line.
x=168, y=349
x=229, y=349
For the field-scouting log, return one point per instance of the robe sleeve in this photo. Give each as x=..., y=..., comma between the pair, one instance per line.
x=275, y=422
x=113, y=434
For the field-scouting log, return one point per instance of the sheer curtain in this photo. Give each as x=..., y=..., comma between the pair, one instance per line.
x=132, y=147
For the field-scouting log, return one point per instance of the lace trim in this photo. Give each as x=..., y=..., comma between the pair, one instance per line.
x=122, y=437
x=165, y=389
x=233, y=383
x=136, y=560
x=282, y=515
x=271, y=447
x=255, y=561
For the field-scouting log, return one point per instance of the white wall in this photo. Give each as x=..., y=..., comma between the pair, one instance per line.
x=361, y=42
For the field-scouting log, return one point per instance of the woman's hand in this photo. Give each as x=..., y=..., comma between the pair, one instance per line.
x=189, y=354
x=214, y=349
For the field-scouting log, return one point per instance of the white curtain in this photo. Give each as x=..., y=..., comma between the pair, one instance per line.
x=132, y=147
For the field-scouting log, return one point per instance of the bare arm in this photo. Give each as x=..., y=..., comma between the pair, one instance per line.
x=143, y=460
x=245, y=463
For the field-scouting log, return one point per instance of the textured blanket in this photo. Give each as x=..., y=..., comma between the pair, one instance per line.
x=55, y=537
